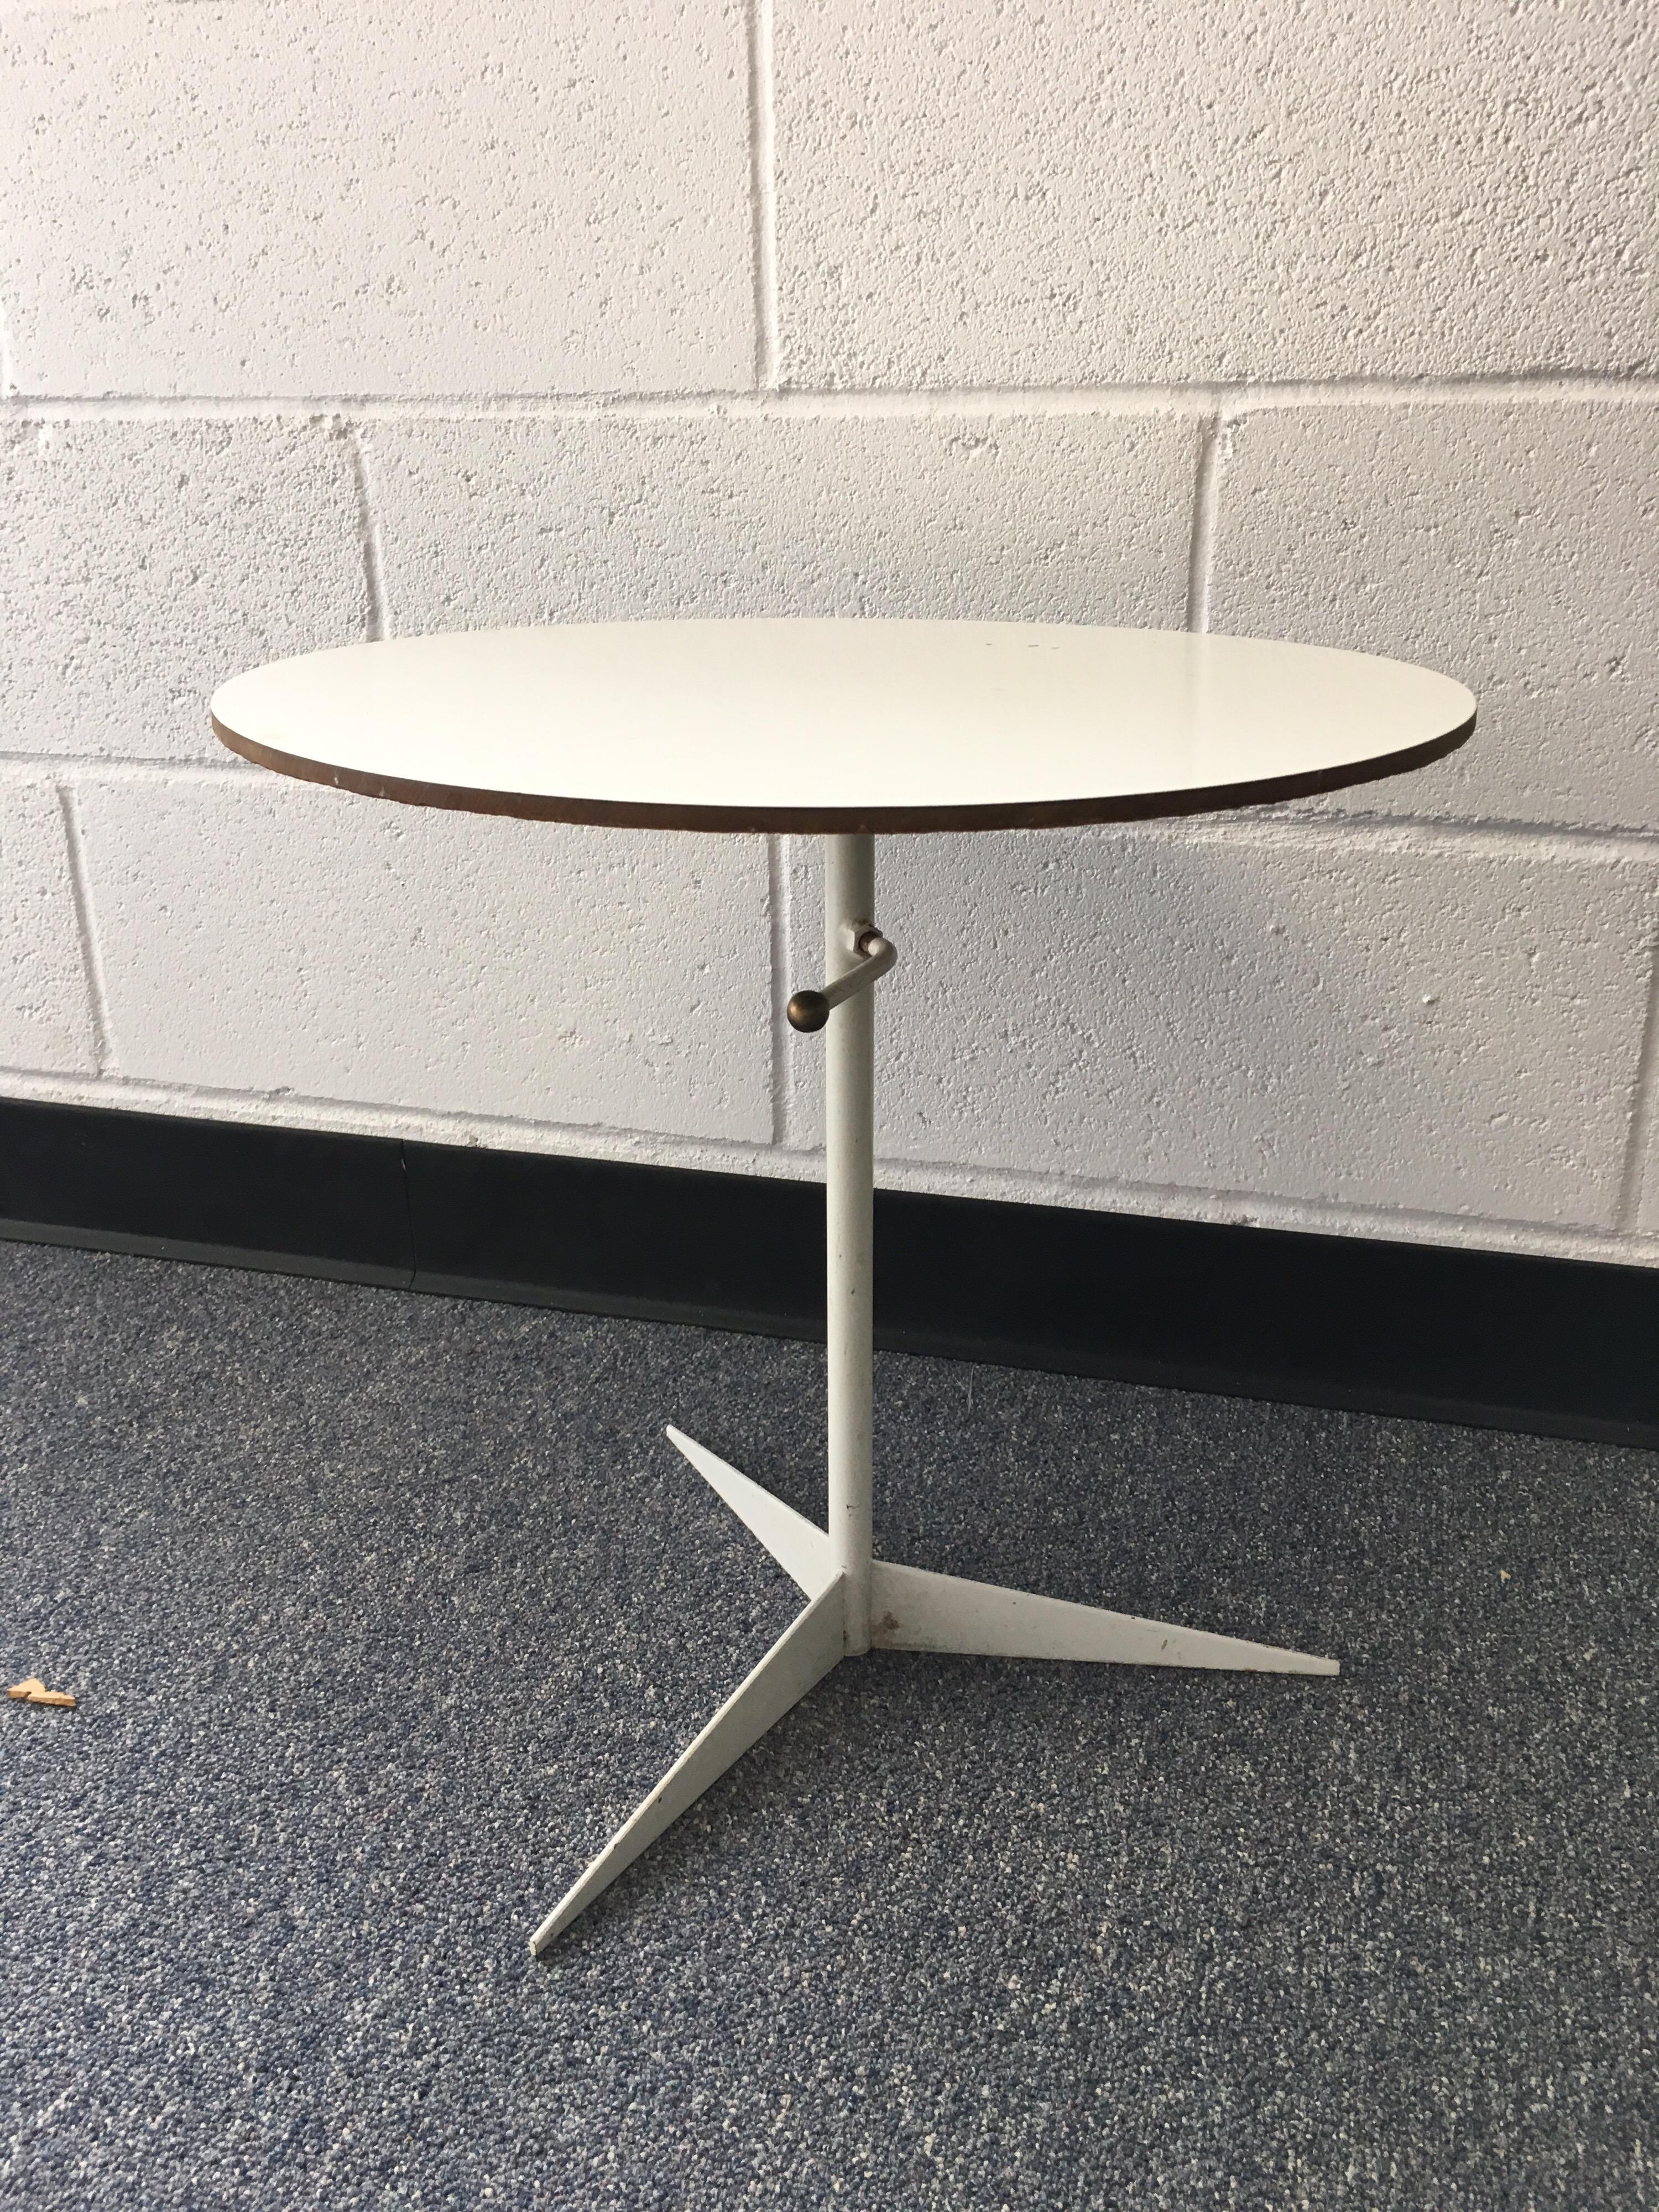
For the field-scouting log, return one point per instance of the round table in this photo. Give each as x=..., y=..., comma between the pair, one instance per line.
x=847, y=728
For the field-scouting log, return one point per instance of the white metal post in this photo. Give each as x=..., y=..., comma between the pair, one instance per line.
x=849, y=1131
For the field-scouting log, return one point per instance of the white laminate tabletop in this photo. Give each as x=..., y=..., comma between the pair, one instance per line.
x=838, y=725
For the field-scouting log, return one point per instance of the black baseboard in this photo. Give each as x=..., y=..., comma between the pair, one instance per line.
x=1562, y=1347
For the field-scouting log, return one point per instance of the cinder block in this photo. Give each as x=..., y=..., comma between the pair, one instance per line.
x=141, y=563
x=1647, y=1167
x=1452, y=1029
x=262, y=936
x=45, y=1020
x=1517, y=547
x=323, y=198
x=1081, y=193
x=1648, y=1212
x=1065, y=518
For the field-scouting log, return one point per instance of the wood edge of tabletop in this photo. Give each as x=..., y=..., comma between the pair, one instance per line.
x=839, y=821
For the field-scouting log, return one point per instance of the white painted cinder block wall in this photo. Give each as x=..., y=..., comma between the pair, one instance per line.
x=1320, y=320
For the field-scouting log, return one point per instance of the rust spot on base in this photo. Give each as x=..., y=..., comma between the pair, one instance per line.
x=884, y=1630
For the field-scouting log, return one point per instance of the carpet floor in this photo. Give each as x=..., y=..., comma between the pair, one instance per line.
x=382, y=1610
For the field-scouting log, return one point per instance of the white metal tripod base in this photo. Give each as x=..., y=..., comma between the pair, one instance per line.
x=911, y=1610
x=854, y=1600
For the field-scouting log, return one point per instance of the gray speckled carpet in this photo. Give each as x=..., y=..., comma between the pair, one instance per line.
x=383, y=1609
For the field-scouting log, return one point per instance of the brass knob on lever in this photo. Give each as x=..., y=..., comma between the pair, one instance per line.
x=810, y=1009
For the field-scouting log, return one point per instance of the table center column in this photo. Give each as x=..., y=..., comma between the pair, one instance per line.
x=849, y=1139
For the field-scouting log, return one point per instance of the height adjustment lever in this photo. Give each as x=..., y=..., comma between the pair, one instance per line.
x=810, y=1010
